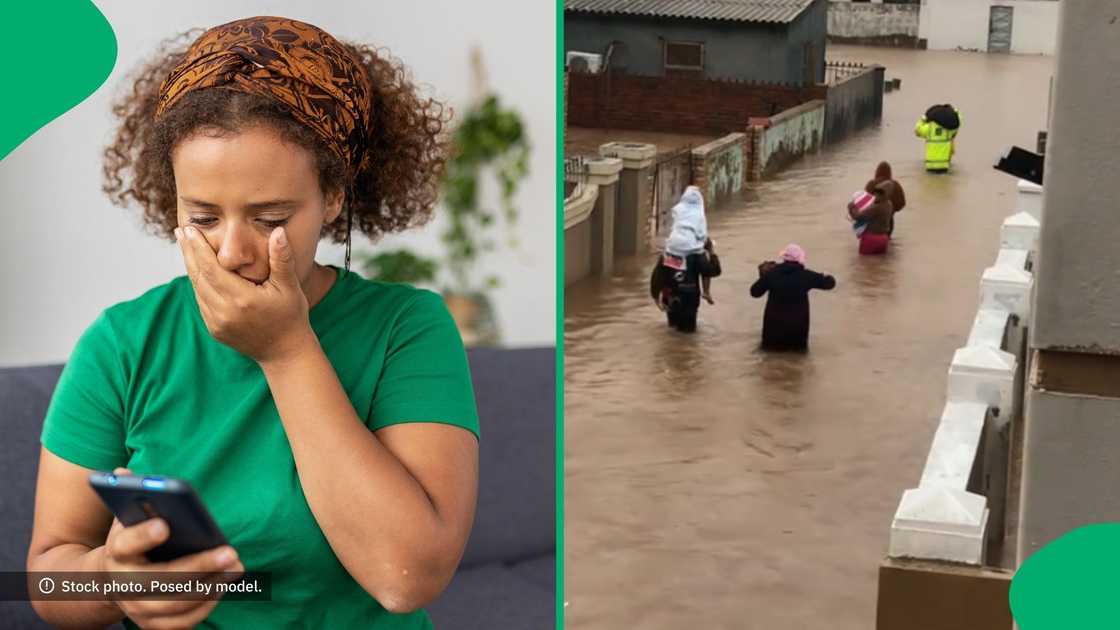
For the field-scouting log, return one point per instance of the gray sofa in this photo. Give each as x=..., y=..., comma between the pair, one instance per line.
x=507, y=579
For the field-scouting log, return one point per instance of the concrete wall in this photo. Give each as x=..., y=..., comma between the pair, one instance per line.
x=732, y=50
x=720, y=168
x=678, y=104
x=854, y=103
x=1080, y=232
x=88, y=254
x=864, y=23
x=956, y=512
x=1070, y=466
x=1071, y=449
x=790, y=135
x=963, y=24
x=577, y=234
x=577, y=252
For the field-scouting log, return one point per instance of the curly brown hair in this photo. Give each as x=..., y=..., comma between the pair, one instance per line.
x=396, y=190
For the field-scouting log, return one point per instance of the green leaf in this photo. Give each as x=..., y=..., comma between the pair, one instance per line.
x=488, y=139
x=400, y=266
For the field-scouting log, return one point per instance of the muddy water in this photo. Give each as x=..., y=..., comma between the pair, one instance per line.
x=710, y=485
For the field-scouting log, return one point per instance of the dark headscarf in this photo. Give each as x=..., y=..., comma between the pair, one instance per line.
x=882, y=172
x=296, y=63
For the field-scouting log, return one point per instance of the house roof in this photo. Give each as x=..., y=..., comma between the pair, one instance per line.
x=773, y=11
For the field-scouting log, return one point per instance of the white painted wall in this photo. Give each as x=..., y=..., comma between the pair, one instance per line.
x=1035, y=27
x=68, y=253
x=953, y=24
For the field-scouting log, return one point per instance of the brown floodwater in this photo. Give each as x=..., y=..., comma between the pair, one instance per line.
x=711, y=485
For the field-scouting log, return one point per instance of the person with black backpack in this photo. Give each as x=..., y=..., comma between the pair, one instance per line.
x=939, y=127
x=676, y=284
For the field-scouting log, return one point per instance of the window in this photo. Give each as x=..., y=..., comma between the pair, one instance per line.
x=684, y=56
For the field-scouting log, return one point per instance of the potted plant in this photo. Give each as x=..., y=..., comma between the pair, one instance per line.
x=489, y=140
x=400, y=265
x=488, y=143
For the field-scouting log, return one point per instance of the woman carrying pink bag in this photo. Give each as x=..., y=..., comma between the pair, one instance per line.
x=878, y=218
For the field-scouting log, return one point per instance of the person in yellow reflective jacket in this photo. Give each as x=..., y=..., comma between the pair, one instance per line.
x=939, y=143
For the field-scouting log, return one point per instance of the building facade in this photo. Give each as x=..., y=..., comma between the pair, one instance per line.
x=773, y=41
x=998, y=26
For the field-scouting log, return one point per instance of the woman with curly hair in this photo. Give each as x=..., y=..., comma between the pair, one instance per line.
x=328, y=422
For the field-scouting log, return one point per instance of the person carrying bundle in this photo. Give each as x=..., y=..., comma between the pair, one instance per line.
x=682, y=274
x=939, y=127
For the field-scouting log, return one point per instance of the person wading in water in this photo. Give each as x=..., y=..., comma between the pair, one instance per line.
x=785, y=323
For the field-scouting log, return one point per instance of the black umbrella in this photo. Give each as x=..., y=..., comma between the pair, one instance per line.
x=944, y=115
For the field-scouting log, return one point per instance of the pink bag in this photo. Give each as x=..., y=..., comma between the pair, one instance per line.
x=861, y=200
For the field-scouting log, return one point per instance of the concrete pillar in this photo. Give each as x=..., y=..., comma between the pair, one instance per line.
x=756, y=162
x=603, y=173
x=1007, y=288
x=634, y=205
x=982, y=374
x=1019, y=231
x=1030, y=199
x=730, y=149
x=940, y=523
x=1072, y=420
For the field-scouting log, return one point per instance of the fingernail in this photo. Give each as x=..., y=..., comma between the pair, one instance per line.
x=156, y=529
x=189, y=232
x=283, y=238
x=226, y=557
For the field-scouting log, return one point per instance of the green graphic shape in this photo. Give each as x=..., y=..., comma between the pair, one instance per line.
x=1070, y=583
x=59, y=54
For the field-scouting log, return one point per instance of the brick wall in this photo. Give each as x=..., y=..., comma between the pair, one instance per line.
x=677, y=104
x=726, y=161
x=754, y=150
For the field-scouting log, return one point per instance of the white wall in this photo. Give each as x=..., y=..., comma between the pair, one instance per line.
x=1034, y=29
x=953, y=24
x=68, y=253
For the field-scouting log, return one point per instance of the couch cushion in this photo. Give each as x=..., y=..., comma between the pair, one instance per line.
x=516, y=394
x=521, y=596
x=24, y=396
x=515, y=518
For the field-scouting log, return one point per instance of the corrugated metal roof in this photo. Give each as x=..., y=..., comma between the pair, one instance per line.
x=777, y=11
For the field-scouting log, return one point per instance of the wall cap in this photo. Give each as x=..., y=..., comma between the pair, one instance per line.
x=632, y=154
x=718, y=144
x=793, y=112
x=578, y=209
x=603, y=171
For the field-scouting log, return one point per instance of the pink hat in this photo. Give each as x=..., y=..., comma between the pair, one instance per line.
x=793, y=253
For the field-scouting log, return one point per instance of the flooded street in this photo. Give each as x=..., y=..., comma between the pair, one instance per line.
x=710, y=485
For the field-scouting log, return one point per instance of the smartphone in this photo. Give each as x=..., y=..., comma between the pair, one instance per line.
x=134, y=499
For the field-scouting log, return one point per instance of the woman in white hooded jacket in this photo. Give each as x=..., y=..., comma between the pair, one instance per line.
x=689, y=234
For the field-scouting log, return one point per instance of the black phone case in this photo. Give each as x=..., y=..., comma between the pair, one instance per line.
x=134, y=499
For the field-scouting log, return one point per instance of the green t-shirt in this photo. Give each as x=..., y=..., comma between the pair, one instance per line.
x=147, y=387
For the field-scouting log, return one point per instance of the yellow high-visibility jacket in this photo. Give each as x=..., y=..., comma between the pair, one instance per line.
x=939, y=143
